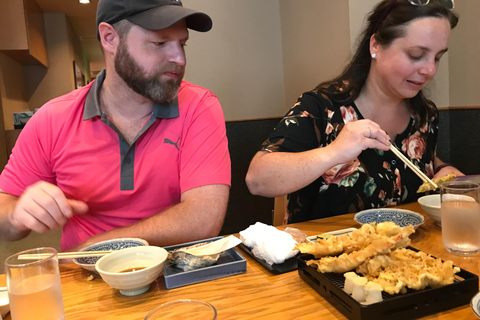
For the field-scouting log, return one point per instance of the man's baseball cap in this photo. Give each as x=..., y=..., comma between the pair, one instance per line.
x=151, y=14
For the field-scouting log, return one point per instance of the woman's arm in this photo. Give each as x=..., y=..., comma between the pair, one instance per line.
x=273, y=174
x=443, y=169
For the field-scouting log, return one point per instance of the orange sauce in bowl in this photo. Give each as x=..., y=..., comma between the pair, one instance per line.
x=132, y=269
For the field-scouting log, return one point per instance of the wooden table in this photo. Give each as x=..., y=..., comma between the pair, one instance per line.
x=256, y=294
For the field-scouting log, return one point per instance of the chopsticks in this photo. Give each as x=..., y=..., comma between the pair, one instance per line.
x=64, y=255
x=414, y=168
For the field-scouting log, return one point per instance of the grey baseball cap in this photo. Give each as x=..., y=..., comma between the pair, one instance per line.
x=151, y=14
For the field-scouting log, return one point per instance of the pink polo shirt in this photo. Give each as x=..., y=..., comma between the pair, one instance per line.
x=70, y=143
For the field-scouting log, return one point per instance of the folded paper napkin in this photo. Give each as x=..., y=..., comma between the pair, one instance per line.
x=269, y=243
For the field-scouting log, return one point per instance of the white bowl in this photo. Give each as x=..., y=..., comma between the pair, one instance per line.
x=88, y=263
x=431, y=205
x=110, y=268
x=475, y=304
x=400, y=217
x=4, y=306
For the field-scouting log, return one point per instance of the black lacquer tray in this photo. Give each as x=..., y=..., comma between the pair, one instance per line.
x=411, y=305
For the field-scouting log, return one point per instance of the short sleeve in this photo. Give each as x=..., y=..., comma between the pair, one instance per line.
x=29, y=161
x=300, y=129
x=205, y=159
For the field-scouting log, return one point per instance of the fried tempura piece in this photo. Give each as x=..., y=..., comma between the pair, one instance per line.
x=349, y=261
x=357, y=240
x=369, y=232
x=438, y=181
x=404, y=268
x=323, y=247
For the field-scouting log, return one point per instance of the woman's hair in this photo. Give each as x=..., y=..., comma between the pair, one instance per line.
x=387, y=23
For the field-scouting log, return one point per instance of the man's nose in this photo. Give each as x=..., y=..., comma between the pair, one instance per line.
x=177, y=54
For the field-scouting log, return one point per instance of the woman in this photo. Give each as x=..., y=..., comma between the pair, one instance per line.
x=330, y=153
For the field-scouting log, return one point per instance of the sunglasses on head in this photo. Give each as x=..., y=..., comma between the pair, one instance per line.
x=449, y=4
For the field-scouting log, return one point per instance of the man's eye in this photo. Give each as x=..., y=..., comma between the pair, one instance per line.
x=159, y=43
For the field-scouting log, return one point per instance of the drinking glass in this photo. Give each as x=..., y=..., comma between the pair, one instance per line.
x=460, y=209
x=34, y=287
x=183, y=309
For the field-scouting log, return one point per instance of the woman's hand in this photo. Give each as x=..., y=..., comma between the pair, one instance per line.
x=357, y=136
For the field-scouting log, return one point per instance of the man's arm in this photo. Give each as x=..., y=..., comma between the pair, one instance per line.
x=199, y=215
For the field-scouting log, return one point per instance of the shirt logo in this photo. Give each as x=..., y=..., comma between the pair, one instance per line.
x=166, y=140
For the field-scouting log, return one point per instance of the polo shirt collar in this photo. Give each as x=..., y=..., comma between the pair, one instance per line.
x=92, y=102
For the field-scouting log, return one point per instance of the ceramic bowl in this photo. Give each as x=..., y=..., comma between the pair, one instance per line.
x=400, y=217
x=88, y=263
x=431, y=205
x=4, y=306
x=475, y=304
x=115, y=268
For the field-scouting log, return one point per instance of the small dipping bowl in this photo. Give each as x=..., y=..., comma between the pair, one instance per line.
x=88, y=263
x=116, y=268
x=431, y=205
x=183, y=309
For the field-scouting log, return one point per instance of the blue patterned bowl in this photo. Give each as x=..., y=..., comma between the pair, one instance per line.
x=400, y=217
x=88, y=263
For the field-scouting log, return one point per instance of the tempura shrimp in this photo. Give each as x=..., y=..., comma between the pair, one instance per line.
x=349, y=261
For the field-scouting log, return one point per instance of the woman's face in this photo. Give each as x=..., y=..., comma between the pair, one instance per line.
x=405, y=66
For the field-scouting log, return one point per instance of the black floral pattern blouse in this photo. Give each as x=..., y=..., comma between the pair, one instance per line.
x=375, y=179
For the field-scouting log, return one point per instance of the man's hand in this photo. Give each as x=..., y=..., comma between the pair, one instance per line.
x=43, y=207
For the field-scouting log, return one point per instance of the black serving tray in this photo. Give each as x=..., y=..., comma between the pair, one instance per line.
x=411, y=305
x=276, y=268
x=229, y=263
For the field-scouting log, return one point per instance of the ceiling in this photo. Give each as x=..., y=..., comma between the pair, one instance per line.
x=82, y=18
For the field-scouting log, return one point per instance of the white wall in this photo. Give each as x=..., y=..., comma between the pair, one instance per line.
x=315, y=45
x=240, y=59
x=464, y=62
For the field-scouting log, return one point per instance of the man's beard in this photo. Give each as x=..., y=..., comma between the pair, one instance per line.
x=150, y=87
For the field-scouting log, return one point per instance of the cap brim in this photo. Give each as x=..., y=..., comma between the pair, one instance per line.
x=160, y=18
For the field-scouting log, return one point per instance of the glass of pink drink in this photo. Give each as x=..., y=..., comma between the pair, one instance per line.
x=34, y=287
x=460, y=211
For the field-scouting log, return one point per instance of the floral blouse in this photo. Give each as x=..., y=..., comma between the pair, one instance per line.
x=375, y=179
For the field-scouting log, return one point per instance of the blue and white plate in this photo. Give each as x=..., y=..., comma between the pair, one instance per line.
x=114, y=244
x=475, y=304
x=400, y=217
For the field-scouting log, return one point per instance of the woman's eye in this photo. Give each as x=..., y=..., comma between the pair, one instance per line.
x=415, y=58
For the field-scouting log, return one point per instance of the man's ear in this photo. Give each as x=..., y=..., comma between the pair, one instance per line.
x=109, y=37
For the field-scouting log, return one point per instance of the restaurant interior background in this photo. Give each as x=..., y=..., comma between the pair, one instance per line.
x=258, y=58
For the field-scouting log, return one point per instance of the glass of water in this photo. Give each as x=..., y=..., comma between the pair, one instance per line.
x=460, y=209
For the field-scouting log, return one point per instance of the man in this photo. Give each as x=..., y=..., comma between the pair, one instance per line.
x=136, y=153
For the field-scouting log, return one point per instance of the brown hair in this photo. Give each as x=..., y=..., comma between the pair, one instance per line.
x=387, y=22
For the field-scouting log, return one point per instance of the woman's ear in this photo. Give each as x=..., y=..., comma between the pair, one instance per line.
x=373, y=46
x=109, y=37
